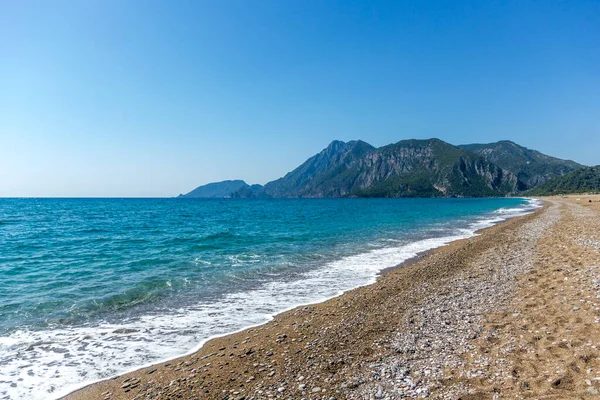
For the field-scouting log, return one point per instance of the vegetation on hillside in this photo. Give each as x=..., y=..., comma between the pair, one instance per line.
x=411, y=168
x=531, y=167
x=583, y=180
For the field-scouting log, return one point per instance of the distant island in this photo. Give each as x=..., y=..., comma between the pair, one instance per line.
x=408, y=168
x=222, y=189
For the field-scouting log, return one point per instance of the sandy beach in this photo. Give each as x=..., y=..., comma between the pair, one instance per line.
x=511, y=313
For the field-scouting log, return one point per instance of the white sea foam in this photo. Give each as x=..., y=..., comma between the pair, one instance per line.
x=51, y=363
x=502, y=214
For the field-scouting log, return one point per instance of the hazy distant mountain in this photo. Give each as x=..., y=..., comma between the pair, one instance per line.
x=220, y=189
x=409, y=168
x=248, y=192
x=582, y=180
x=531, y=167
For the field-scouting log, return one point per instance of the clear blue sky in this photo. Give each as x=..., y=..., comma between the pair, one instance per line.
x=153, y=98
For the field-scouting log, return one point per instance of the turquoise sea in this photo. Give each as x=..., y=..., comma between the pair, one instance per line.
x=91, y=288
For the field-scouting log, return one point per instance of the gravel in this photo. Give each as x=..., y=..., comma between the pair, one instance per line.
x=439, y=332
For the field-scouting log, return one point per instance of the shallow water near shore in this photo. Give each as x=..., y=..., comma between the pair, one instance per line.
x=95, y=287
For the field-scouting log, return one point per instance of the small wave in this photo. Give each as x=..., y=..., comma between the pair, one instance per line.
x=94, y=230
x=66, y=358
x=502, y=214
x=73, y=351
x=243, y=259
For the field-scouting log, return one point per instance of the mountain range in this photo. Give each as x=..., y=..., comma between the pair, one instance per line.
x=531, y=167
x=408, y=168
x=586, y=179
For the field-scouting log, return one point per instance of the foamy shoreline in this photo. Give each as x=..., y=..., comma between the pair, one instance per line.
x=376, y=262
x=418, y=250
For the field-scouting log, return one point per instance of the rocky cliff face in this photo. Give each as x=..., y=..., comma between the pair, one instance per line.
x=531, y=167
x=582, y=180
x=410, y=168
x=323, y=175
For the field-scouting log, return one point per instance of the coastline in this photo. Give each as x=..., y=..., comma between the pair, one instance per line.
x=206, y=349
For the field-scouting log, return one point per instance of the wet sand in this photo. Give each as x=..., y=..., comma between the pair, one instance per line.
x=468, y=320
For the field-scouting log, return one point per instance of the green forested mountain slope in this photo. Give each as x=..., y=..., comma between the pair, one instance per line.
x=409, y=168
x=586, y=179
x=530, y=166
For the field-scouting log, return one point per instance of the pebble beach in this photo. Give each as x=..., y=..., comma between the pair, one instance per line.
x=510, y=313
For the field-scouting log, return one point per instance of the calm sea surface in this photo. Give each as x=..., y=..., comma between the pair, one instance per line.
x=90, y=288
